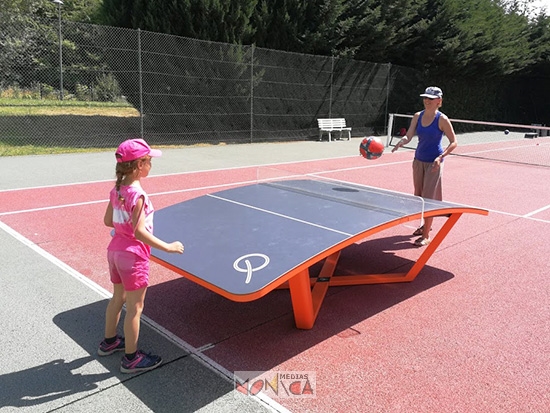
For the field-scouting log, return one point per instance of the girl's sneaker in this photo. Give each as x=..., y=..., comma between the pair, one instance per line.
x=141, y=362
x=419, y=231
x=422, y=242
x=108, y=349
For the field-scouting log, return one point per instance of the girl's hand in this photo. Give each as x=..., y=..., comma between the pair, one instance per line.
x=175, y=247
x=401, y=142
x=437, y=163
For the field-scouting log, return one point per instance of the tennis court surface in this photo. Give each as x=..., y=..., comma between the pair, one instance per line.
x=469, y=334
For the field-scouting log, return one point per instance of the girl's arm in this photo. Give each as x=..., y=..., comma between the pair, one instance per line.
x=108, y=217
x=141, y=233
x=447, y=127
x=410, y=133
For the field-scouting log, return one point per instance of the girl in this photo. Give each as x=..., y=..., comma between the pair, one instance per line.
x=130, y=213
x=430, y=125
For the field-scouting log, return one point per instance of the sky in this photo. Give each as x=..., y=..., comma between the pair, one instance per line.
x=542, y=3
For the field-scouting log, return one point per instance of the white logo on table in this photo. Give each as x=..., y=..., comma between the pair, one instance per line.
x=247, y=268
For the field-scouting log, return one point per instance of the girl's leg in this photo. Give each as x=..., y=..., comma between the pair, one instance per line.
x=418, y=177
x=134, y=307
x=114, y=308
x=431, y=188
x=418, y=184
x=425, y=181
x=427, y=228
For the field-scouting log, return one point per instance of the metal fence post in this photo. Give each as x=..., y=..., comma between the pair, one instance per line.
x=140, y=75
x=388, y=92
x=251, y=93
x=331, y=82
x=59, y=3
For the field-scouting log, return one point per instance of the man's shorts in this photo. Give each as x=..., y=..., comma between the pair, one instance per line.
x=427, y=180
x=129, y=269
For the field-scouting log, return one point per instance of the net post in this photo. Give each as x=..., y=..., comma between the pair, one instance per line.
x=390, y=128
x=423, y=202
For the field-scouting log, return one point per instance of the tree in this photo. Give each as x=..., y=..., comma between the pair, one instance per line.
x=117, y=13
x=73, y=10
x=539, y=38
x=454, y=37
x=24, y=48
x=381, y=30
x=215, y=20
x=297, y=25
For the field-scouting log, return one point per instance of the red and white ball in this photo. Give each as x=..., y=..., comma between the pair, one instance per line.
x=371, y=147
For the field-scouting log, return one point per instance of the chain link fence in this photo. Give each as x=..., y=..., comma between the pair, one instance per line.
x=76, y=85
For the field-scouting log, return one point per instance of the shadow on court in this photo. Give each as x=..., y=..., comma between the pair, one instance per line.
x=261, y=334
x=47, y=382
x=378, y=256
x=181, y=383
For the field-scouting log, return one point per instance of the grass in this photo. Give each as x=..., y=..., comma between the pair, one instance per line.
x=12, y=150
x=19, y=119
x=30, y=107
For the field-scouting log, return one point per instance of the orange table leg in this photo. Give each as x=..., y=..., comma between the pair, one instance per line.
x=432, y=246
x=306, y=301
x=400, y=277
x=302, y=301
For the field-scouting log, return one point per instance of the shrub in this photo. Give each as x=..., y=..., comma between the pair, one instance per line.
x=107, y=89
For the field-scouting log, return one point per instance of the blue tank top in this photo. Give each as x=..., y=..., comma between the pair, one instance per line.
x=429, y=139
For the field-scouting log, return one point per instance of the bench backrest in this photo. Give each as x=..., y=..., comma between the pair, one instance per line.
x=331, y=123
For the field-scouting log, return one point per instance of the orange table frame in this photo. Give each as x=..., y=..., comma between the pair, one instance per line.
x=307, y=294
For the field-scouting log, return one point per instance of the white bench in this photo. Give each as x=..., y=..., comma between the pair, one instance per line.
x=333, y=125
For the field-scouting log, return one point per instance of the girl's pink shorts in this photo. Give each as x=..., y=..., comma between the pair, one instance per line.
x=129, y=269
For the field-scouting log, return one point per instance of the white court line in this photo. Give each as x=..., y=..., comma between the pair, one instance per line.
x=23, y=211
x=230, y=168
x=193, y=352
x=28, y=243
x=176, y=191
x=314, y=174
x=279, y=215
x=213, y=170
x=537, y=211
x=494, y=150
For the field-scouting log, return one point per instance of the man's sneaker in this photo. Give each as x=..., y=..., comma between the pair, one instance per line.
x=141, y=362
x=108, y=349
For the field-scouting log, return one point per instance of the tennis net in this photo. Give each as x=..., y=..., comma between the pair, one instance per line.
x=506, y=142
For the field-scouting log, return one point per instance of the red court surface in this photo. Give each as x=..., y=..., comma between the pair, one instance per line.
x=470, y=334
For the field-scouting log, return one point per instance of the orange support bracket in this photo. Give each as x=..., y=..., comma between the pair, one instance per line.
x=307, y=295
x=306, y=301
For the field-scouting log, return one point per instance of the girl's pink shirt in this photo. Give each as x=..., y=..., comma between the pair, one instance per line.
x=124, y=238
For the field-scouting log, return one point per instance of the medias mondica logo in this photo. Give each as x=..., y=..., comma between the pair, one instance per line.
x=276, y=384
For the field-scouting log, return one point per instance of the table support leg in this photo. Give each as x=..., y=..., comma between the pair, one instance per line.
x=302, y=301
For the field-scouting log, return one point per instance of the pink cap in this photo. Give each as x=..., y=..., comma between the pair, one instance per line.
x=133, y=149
